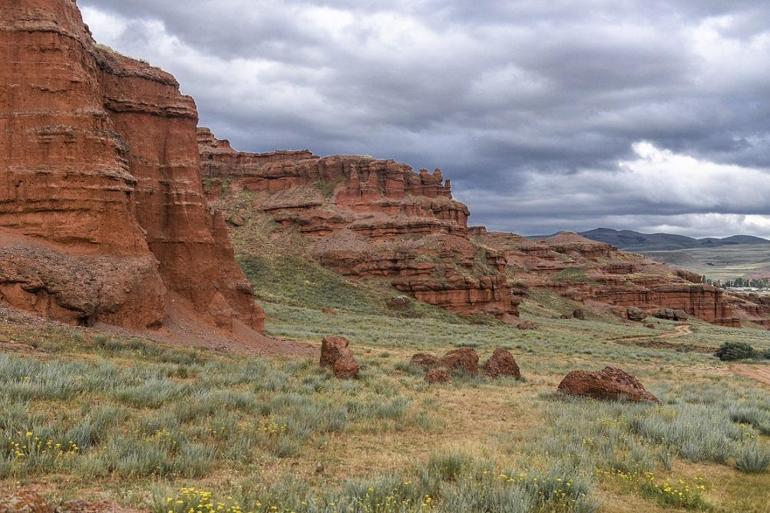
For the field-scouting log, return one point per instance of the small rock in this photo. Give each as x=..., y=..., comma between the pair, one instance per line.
x=329, y=311
x=650, y=325
x=609, y=384
x=400, y=302
x=635, y=314
x=438, y=375
x=579, y=314
x=502, y=363
x=527, y=325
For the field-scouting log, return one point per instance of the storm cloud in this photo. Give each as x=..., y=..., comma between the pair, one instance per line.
x=642, y=114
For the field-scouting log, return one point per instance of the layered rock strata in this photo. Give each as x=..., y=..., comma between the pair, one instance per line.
x=593, y=272
x=102, y=210
x=368, y=218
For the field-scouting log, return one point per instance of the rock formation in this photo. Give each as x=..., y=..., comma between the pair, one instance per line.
x=598, y=274
x=502, y=364
x=337, y=356
x=102, y=211
x=367, y=218
x=609, y=384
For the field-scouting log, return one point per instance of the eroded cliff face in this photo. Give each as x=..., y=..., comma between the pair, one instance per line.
x=598, y=273
x=102, y=211
x=367, y=218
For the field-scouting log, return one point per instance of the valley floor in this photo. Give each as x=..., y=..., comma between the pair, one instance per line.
x=146, y=427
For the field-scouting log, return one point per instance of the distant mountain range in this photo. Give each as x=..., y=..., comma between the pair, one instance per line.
x=643, y=242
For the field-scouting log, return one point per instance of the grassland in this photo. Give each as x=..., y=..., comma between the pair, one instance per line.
x=88, y=415
x=722, y=263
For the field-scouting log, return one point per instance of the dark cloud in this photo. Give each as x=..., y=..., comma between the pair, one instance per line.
x=533, y=108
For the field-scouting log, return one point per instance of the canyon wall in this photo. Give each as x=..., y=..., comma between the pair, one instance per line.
x=102, y=211
x=367, y=218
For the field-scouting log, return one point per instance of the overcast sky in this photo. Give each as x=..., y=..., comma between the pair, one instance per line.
x=651, y=115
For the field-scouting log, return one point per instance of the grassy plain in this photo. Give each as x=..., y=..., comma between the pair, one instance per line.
x=85, y=414
x=722, y=263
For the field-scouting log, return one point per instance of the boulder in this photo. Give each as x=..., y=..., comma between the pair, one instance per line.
x=337, y=356
x=425, y=360
x=609, y=384
x=346, y=367
x=635, y=314
x=400, y=302
x=438, y=375
x=579, y=313
x=502, y=363
x=527, y=325
x=464, y=361
x=671, y=314
x=332, y=348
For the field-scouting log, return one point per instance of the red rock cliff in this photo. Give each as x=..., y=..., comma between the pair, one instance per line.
x=368, y=218
x=102, y=212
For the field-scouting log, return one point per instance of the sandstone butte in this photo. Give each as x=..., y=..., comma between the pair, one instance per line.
x=102, y=212
x=368, y=218
x=104, y=217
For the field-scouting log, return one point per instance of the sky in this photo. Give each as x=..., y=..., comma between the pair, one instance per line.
x=651, y=115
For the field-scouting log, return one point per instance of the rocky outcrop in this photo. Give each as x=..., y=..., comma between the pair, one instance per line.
x=609, y=384
x=102, y=209
x=367, y=218
x=595, y=273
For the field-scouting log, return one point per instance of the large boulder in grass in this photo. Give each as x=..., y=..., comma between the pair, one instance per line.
x=609, y=384
x=332, y=348
x=337, y=356
x=461, y=361
x=502, y=364
x=346, y=367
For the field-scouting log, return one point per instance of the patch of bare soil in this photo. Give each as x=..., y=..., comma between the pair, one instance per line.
x=659, y=342
x=757, y=372
x=182, y=327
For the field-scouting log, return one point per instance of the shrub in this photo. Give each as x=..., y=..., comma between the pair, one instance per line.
x=731, y=351
x=753, y=459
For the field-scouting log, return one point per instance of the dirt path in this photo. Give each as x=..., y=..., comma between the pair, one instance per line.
x=661, y=341
x=756, y=372
x=682, y=330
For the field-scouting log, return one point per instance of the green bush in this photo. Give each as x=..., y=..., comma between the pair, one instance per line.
x=731, y=351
